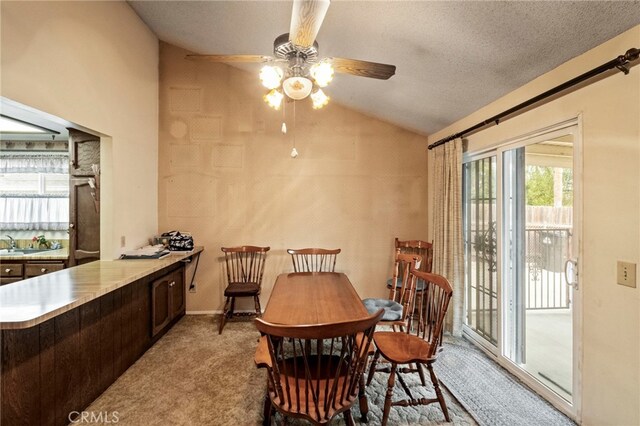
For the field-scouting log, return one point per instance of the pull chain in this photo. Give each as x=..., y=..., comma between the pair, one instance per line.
x=294, y=151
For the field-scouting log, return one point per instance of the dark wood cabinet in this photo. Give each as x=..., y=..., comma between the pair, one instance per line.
x=20, y=269
x=84, y=198
x=168, y=300
x=178, y=294
x=62, y=365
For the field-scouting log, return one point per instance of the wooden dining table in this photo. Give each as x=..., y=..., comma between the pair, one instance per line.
x=310, y=298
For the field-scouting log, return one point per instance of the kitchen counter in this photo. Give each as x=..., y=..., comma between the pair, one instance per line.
x=60, y=254
x=32, y=301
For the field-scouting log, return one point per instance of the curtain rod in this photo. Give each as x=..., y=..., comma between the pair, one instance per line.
x=620, y=63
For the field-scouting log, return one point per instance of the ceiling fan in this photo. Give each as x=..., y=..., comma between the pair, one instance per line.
x=295, y=68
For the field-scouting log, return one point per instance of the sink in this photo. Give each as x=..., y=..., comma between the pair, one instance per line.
x=33, y=250
x=22, y=252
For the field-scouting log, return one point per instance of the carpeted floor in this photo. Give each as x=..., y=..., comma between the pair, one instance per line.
x=193, y=376
x=489, y=392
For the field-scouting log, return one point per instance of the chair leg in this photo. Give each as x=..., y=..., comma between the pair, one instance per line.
x=387, y=399
x=372, y=367
x=436, y=387
x=267, y=410
x=423, y=381
x=233, y=307
x=225, y=312
x=362, y=399
x=256, y=301
x=348, y=418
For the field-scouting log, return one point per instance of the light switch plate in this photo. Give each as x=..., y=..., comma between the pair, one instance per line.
x=627, y=274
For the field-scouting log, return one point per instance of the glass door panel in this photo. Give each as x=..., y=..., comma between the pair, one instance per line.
x=537, y=229
x=480, y=247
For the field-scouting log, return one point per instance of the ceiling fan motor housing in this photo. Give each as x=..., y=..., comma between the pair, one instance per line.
x=286, y=50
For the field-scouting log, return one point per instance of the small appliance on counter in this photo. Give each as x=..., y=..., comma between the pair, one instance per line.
x=147, y=252
x=175, y=241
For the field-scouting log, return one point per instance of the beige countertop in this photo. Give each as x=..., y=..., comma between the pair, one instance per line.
x=60, y=254
x=29, y=302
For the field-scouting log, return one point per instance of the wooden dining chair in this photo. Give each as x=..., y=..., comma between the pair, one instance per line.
x=319, y=384
x=419, y=247
x=245, y=266
x=418, y=345
x=397, y=308
x=314, y=259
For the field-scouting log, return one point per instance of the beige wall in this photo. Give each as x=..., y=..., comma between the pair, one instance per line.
x=94, y=64
x=610, y=112
x=226, y=176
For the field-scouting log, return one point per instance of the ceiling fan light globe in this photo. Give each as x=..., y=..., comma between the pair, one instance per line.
x=274, y=99
x=297, y=87
x=319, y=99
x=322, y=73
x=271, y=76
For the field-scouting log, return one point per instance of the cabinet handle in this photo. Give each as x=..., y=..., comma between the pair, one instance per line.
x=43, y=270
x=8, y=270
x=172, y=283
x=71, y=226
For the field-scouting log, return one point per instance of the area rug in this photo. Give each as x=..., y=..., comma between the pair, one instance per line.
x=488, y=392
x=193, y=376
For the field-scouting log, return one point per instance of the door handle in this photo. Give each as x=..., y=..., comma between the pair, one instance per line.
x=571, y=267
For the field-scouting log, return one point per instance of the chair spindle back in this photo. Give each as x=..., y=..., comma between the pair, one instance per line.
x=314, y=371
x=314, y=259
x=420, y=247
x=245, y=264
x=431, y=306
x=406, y=291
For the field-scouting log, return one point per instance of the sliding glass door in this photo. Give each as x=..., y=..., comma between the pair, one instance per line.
x=537, y=205
x=521, y=230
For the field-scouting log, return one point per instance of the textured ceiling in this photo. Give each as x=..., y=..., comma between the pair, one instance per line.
x=452, y=57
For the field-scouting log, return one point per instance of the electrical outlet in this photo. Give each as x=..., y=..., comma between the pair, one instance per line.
x=192, y=289
x=123, y=241
x=627, y=274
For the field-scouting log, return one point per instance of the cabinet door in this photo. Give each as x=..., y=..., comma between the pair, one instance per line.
x=84, y=205
x=160, y=300
x=84, y=151
x=84, y=223
x=177, y=293
x=36, y=269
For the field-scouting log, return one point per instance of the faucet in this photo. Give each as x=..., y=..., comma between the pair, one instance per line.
x=12, y=243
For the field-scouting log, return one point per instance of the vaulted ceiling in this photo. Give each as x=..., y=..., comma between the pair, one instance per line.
x=452, y=57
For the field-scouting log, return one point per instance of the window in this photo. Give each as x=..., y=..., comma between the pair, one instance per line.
x=34, y=192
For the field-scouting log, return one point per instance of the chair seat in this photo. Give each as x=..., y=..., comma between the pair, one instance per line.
x=392, y=310
x=241, y=289
x=419, y=284
x=402, y=348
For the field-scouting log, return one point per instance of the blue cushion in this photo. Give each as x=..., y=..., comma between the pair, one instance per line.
x=419, y=283
x=392, y=310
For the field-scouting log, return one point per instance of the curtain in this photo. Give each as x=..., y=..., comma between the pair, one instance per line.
x=32, y=212
x=34, y=163
x=448, y=255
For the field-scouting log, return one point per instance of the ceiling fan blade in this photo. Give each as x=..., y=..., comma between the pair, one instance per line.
x=306, y=19
x=363, y=68
x=229, y=58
